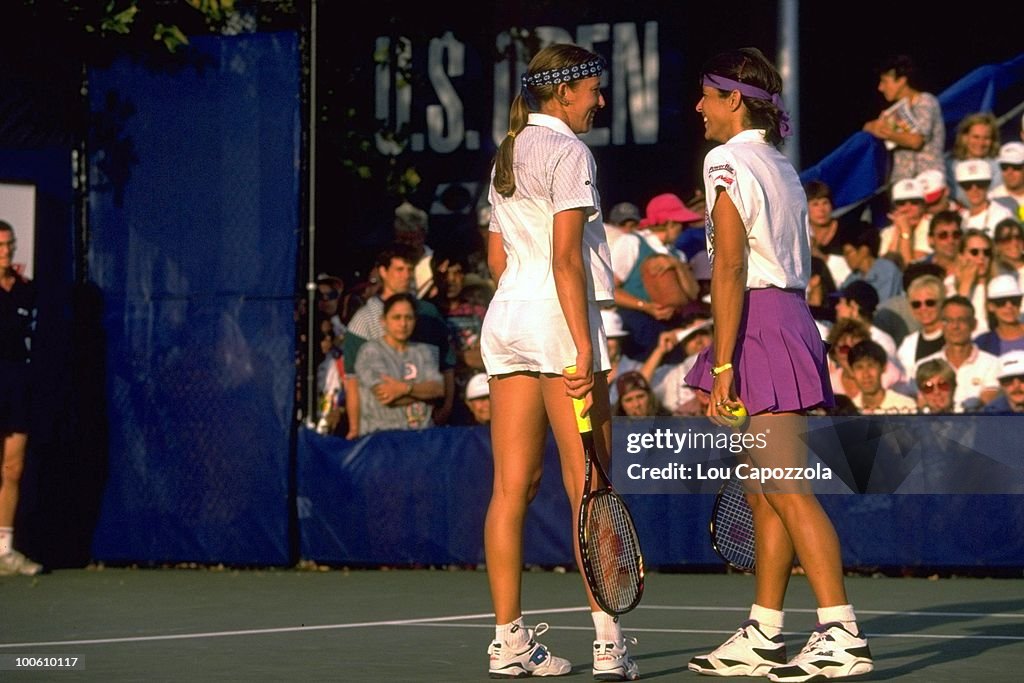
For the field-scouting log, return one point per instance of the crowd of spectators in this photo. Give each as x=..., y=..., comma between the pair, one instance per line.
x=921, y=311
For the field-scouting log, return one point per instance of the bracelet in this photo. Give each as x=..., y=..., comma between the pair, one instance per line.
x=905, y=235
x=408, y=389
x=715, y=372
x=640, y=303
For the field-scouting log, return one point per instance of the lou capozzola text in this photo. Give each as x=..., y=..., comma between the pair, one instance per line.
x=733, y=442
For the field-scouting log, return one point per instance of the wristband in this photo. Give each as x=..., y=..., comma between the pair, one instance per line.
x=715, y=372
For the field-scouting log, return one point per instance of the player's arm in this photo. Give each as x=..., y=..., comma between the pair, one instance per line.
x=728, y=283
x=570, y=277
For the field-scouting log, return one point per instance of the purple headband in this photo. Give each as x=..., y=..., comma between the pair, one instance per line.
x=748, y=90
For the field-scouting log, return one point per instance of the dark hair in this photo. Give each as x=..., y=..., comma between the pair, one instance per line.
x=557, y=56
x=749, y=65
x=919, y=268
x=1007, y=225
x=393, y=251
x=946, y=217
x=817, y=189
x=902, y=66
x=6, y=227
x=959, y=300
x=867, y=349
x=864, y=235
x=390, y=302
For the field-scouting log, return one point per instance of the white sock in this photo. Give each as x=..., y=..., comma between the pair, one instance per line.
x=513, y=634
x=606, y=627
x=6, y=539
x=770, y=620
x=841, y=613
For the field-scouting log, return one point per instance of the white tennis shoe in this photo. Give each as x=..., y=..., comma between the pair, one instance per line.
x=830, y=652
x=749, y=652
x=15, y=563
x=613, y=663
x=531, y=659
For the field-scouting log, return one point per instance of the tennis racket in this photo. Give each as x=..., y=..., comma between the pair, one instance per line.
x=608, y=543
x=732, y=527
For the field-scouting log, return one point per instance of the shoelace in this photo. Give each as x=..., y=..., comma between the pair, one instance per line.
x=815, y=645
x=538, y=630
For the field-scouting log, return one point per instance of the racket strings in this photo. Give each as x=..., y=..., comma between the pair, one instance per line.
x=734, y=527
x=613, y=552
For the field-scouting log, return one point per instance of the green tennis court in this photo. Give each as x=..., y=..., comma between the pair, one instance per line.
x=434, y=625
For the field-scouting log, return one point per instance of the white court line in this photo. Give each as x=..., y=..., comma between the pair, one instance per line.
x=445, y=621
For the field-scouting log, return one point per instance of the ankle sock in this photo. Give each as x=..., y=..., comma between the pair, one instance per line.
x=770, y=620
x=606, y=627
x=513, y=634
x=841, y=613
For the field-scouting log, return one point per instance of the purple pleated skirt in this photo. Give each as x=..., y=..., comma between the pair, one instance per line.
x=779, y=364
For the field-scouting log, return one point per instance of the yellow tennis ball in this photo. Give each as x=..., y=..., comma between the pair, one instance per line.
x=736, y=417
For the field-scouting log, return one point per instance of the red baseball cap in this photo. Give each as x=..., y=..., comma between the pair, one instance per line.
x=668, y=207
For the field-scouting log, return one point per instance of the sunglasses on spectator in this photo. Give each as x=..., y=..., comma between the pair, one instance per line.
x=331, y=295
x=1007, y=236
x=949, y=234
x=1006, y=381
x=929, y=303
x=1003, y=300
x=1011, y=167
x=901, y=202
x=940, y=384
x=980, y=184
x=978, y=251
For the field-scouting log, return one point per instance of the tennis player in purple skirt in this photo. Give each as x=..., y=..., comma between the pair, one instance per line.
x=768, y=354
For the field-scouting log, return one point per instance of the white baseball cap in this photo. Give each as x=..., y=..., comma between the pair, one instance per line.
x=613, y=327
x=478, y=387
x=908, y=188
x=1012, y=153
x=932, y=182
x=972, y=169
x=1011, y=364
x=1002, y=286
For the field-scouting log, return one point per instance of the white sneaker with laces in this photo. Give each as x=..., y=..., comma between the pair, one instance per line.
x=531, y=659
x=612, y=661
x=830, y=652
x=749, y=652
x=15, y=563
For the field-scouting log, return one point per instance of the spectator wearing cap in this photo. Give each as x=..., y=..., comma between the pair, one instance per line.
x=906, y=239
x=976, y=139
x=615, y=333
x=925, y=295
x=329, y=289
x=867, y=362
x=1010, y=400
x=646, y=319
x=976, y=381
x=636, y=398
x=1011, y=167
x=1006, y=332
x=478, y=398
x=974, y=178
x=1009, y=246
x=623, y=219
x=668, y=381
x=860, y=249
x=936, y=385
x=936, y=192
x=973, y=270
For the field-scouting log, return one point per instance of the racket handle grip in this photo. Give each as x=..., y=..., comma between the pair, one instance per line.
x=582, y=423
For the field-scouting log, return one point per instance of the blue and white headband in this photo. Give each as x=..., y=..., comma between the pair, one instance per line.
x=595, y=67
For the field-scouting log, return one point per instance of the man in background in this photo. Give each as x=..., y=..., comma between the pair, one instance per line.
x=17, y=322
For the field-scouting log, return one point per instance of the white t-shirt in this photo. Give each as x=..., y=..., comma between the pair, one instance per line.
x=892, y=403
x=555, y=171
x=987, y=219
x=766, y=190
